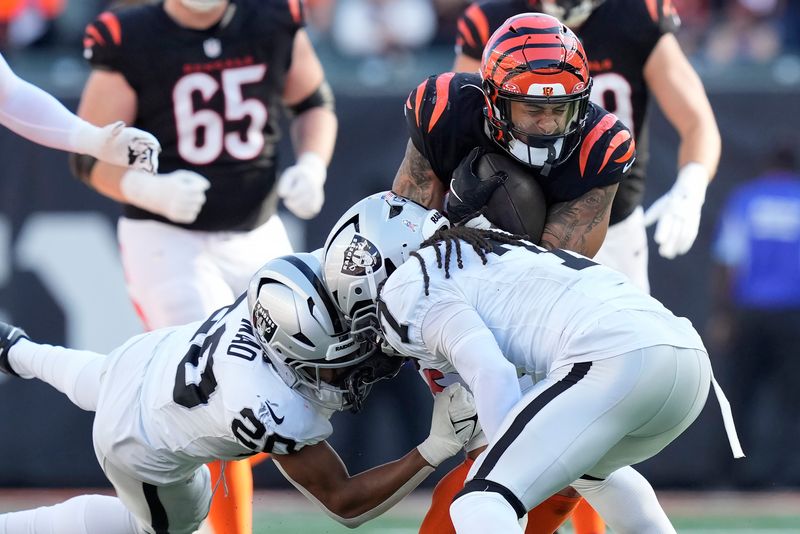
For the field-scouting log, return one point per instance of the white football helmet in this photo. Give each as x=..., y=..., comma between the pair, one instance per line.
x=303, y=333
x=370, y=241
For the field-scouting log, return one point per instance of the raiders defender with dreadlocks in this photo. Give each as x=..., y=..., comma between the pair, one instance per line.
x=618, y=376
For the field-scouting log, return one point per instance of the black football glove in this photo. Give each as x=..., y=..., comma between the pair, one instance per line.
x=469, y=194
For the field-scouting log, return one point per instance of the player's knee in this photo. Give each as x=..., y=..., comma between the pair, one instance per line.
x=487, y=507
x=475, y=487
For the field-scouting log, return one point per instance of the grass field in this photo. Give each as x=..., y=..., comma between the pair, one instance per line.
x=692, y=513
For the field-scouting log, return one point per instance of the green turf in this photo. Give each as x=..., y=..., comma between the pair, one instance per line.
x=272, y=523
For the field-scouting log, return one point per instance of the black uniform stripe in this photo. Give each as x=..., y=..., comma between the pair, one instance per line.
x=330, y=307
x=578, y=371
x=158, y=514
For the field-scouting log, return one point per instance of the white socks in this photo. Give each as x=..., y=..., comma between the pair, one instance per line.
x=85, y=514
x=75, y=373
x=626, y=502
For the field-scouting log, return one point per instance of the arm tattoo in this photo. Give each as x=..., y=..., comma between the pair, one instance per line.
x=580, y=224
x=415, y=179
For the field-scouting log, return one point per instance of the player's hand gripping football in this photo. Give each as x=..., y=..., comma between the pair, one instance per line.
x=301, y=186
x=678, y=211
x=122, y=146
x=179, y=195
x=469, y=194
x=454, y=423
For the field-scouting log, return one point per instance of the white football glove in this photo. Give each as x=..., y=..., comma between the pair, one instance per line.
x=301, y=186
x=678, y=211
x=121, y=146
x=178, y=195
x=454, y=422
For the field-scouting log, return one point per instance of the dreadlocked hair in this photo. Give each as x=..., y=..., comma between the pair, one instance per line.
x=481, y=241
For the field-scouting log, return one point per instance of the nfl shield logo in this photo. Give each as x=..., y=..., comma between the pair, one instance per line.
x=212, y=47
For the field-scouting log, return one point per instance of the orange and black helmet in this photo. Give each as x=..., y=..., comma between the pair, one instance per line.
x=535, y=59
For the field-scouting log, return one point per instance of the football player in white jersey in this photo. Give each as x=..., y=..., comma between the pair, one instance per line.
x=37, y=116
x=617, y=375
x=261, y=375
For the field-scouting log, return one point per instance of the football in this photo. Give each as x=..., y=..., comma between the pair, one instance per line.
x=518, y=205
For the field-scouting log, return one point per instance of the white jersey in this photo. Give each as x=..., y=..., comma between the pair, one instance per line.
x=176, y=398
x=545, y=309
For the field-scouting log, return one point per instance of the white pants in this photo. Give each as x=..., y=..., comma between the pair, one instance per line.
x=625, y=249
x=593, y=418
x=176, y=276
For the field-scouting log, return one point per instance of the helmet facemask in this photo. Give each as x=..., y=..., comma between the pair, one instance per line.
x=540, y=131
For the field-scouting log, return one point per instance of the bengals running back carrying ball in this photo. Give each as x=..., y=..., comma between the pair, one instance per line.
x=531, y=100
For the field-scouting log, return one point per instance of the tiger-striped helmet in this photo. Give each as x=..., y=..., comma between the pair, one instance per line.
x=536, y=82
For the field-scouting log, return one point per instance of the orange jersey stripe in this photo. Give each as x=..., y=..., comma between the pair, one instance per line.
x=95, y=36
x=463, y=32
x=589, y=141
x=616, y=141
x=418, y=100
x=442, y=96
x=628, y=153
x=478, y=18
x=112, y=23
x=294, y=9
x=652, y=8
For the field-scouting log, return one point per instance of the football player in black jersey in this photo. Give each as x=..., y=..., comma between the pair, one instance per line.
x=632, y=53
x=530, y=101
x=210, y=79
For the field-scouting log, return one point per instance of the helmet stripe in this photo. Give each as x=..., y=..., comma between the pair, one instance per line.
x=320, y=288
x=599, y=129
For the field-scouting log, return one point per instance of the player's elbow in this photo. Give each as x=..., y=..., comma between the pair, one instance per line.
x=345, y=510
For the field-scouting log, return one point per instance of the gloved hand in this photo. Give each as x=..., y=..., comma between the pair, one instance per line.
x=468, y=193
x=678, y=211
x=301, y=186
x=178, y=195
x=454, y=422
x=118, y=145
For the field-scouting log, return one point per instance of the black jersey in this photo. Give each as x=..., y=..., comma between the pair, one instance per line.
x=211, y=97
x=445, y=119
x=618, y=37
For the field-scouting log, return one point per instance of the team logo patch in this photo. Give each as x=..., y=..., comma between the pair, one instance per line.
x=212, y=47
x=548, y=91
x=263, y=323
x=359, y=255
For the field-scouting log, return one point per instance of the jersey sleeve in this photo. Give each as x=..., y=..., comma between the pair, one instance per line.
x=432, y=122
x=102, y=42
x=651, y=19
x=607, y=152
x=472, y=32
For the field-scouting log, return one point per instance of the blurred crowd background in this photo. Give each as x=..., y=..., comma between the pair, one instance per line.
x=60, y=278
x=389, y=39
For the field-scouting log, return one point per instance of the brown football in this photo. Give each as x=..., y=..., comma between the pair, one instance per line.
x=518, y=205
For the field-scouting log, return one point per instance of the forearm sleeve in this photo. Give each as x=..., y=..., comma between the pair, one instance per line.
x=353, y=522
x=36, y=115
x=455, y=330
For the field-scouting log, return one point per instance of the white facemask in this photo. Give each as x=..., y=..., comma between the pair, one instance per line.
x=534, y=156
x=574, y=17
x=202, y=6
